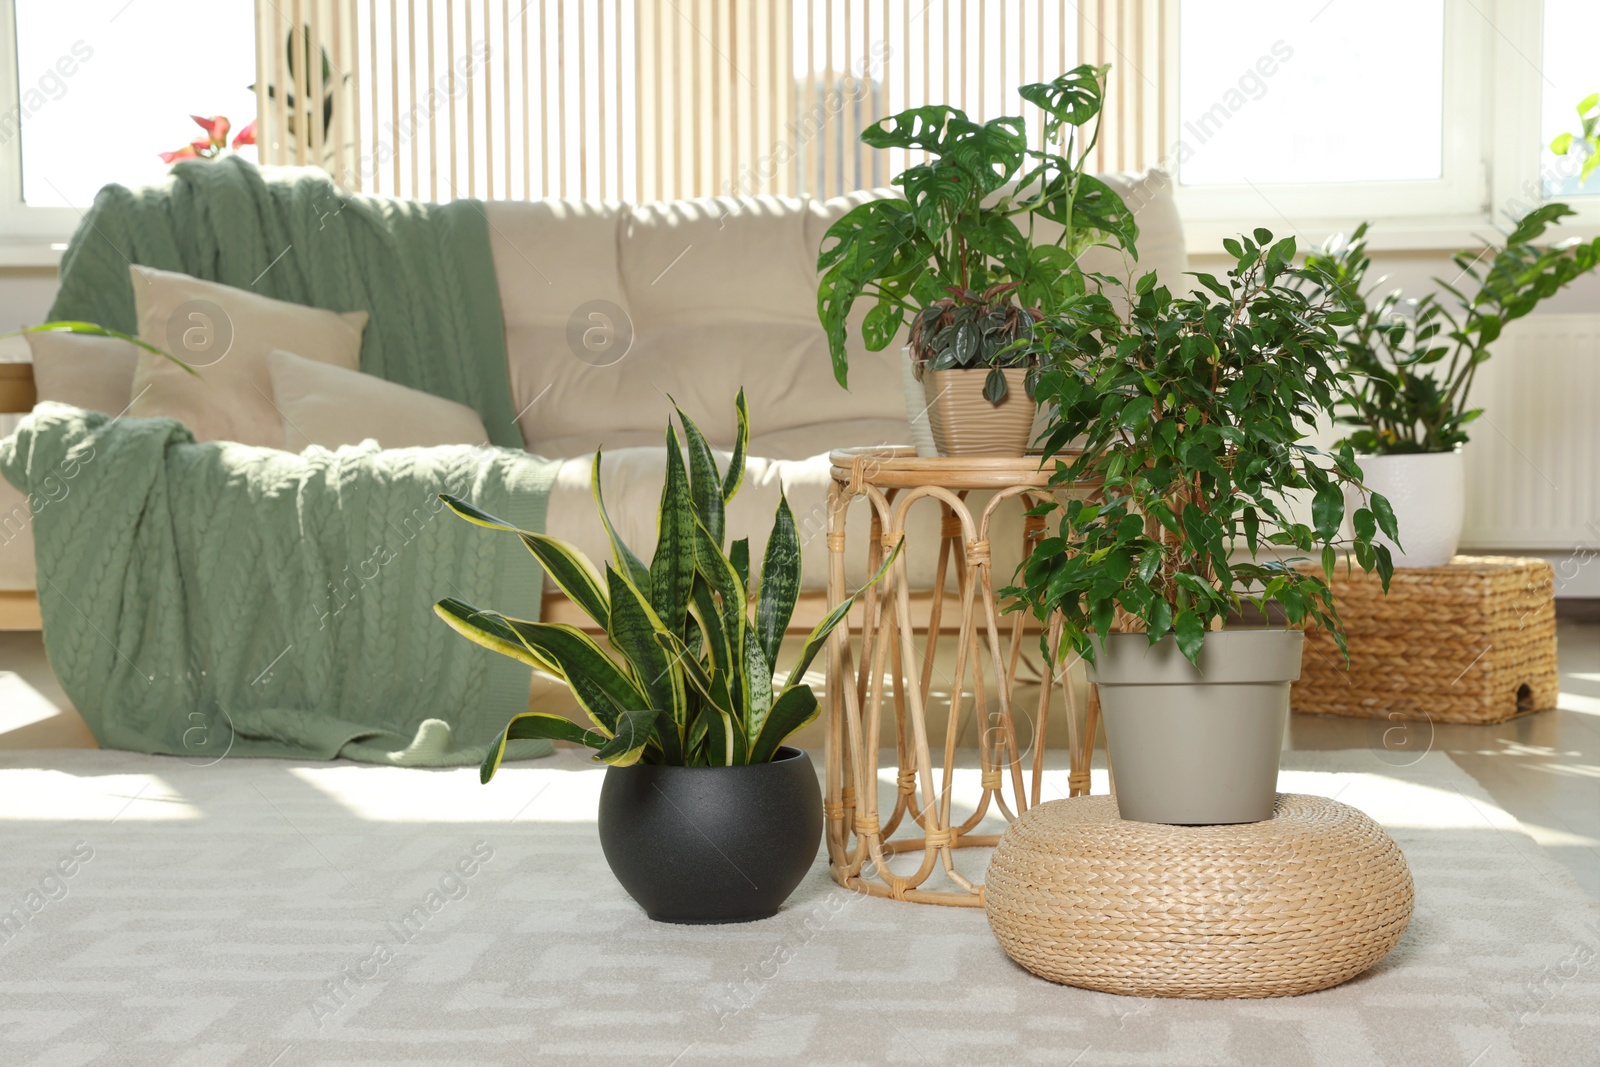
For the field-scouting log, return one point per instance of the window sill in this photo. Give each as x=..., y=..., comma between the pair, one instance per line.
x=34, y=252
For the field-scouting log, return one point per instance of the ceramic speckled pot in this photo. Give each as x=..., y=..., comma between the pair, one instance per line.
x=965, y=424
x=1197, y=747
x=1428, y=493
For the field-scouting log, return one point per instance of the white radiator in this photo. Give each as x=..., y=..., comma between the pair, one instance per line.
x=1533, y=464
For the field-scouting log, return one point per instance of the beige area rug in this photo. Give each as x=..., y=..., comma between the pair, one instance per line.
x=269, y=913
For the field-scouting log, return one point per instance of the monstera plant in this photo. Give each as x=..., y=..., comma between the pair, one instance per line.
x=963, y=257
x=691, y=683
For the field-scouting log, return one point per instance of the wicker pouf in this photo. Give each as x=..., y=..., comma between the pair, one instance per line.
x=1473, y=642
x=1306, y=900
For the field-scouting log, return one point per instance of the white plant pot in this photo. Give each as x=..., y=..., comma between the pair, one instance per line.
x=1429, y=495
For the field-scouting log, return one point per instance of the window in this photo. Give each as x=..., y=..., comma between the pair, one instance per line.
x=1570, y=75
x=645, y=99
x=99, y=88
x=1304, y=114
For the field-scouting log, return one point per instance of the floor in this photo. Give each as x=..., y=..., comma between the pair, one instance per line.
x=1544, y=769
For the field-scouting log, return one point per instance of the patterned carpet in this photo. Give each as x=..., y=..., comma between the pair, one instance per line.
x=275, y=914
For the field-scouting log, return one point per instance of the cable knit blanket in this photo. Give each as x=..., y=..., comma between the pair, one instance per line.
x=424, y=272
x=203, y=600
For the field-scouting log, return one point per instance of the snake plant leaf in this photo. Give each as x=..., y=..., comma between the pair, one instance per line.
x=739, y=556
x=719, y=745
x=757, y=686
x=626, y=561
x=695, y=672
x=634, y=731
x=706, y=480
x=530, y=725
x=794, y=709
x=815, y=639
x=780, y=581
x=703, y=609
x=734, y=477
x=564, y=562
x=672, y=568
x=729, y=593
x=600, y=686
x=659, y=675
x=491, y=630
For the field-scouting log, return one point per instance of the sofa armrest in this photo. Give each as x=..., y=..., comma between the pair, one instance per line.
x=17, y=392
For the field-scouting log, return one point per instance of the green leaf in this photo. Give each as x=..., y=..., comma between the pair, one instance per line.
x=920, y=128
x=531, y=725
x=994, y=385
x=623, y=556
x=741, y=445
x=1327, y=510
x=882, y=324
x=780, y=582
x=706, y=480
x=633, y=630
x=491, y=630
x=757, y=679
x=793, y=710
x=739, y=556
x=819, y=634
x=672, y=568
x=95, y=330
x=1190, y=631
x=1385, y=516
x=633, y=733
x=1074, y=98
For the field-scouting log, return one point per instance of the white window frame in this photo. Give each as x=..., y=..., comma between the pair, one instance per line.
x=29, y=236
x=1491, y=118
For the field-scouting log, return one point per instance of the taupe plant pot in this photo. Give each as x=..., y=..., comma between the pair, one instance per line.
x=965, y=424
x=1197, y=747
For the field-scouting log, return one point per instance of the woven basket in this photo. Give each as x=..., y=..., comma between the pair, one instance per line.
x=1472, y=642
x=1308, y=899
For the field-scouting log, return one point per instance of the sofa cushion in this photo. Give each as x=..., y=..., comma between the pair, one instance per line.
x=233, y=331
x=84, y=370
x=329, y=406
x=609, y=308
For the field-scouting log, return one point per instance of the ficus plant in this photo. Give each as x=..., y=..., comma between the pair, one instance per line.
x=962, y=256
x=690, y=679
x=1414, y=362
x=1193, y=413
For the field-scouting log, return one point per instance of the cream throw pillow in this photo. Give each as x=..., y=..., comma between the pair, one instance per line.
x=84, y=370
x=330, y=406
x=226, y=334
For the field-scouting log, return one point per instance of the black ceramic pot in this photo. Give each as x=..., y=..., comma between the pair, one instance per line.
x=712, y=844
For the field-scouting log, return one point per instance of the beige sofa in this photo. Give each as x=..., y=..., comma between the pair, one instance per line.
x=715, y=295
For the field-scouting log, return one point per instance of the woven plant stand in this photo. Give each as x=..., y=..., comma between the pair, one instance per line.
x=1308, y=899
x=1471, y=642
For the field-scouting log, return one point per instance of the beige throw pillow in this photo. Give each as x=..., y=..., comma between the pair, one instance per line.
x=226, y=334
x=330, y=406
x=84, y=370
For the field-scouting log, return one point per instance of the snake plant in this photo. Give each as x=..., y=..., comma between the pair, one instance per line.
x=691, y=682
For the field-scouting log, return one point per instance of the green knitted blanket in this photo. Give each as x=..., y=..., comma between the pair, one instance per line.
x=204, y=600
x=424, y=272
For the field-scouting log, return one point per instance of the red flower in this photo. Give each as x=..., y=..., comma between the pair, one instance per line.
x=188, y=151
x=245, y=136
x=216, y=128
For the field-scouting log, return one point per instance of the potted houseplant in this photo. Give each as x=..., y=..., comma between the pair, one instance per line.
x=705, y=815
x=964, y=257
x=1414, y=363
x=1193, y=412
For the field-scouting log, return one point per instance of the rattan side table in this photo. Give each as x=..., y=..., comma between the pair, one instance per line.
x=860, y=838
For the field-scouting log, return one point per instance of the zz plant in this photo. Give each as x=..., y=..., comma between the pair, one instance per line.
x=966, y=265
x=691, y=683
x=1413, y=372
x=1193, y=412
